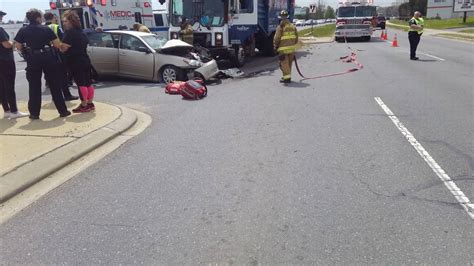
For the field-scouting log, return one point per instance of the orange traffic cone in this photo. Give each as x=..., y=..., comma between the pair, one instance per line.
x=385, y=37
x=382, y=36
x=395, y=41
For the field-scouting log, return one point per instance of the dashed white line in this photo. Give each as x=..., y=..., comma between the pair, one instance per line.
x=20, y=71
x=435, y=57
x=448, y=182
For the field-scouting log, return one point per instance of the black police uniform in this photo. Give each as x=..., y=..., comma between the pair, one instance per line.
x=40, y=57
x=64, y=70
x=7, y=75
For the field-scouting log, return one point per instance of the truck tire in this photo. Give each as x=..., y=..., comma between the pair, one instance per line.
x=268, y=46
x=238, y=57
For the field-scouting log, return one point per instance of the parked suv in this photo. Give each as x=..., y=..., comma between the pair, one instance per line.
x=381, y=22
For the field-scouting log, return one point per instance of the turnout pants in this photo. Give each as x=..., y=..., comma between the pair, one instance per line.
x=414, y=39
x=7, y=85
x=286, y=61
x=37, y=64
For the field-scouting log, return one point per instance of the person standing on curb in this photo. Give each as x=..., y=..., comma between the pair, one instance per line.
x=75, y=48
x=284, y=42
x=40, y=57
x=52, y=23
x=416, y=24
x=7, y=76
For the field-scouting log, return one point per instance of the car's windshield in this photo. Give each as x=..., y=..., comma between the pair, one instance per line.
x=356, y=11
x=155, y=42
x=206, y=12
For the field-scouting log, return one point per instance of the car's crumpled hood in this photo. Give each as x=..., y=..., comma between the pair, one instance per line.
x=175, y=45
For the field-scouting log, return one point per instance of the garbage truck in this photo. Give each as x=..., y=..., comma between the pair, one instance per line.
x=230, y=29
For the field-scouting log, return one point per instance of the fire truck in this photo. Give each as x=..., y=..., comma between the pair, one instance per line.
x=107, y=14
x=355, y=20
x=230, y=28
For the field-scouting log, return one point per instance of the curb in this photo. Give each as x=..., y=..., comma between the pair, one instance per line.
x=39, y=168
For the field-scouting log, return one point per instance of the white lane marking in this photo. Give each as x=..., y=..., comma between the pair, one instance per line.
x=435, y=57
x=448, y=182
x=20, y=71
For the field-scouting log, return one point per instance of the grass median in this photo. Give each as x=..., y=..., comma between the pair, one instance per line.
x=319, y=31
x=440, y=24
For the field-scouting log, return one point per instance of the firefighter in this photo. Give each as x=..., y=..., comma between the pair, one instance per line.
x=141, y=28
x=284, y=42
x=416, y=24
x=186, y=32
x=52, y=23
x=41, y=57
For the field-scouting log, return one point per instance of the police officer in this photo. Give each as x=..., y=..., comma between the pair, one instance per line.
x=186, y=32
x=52, y=23
x=41, y=57
x=284, y=42
x=416, y=24
x=7, y=76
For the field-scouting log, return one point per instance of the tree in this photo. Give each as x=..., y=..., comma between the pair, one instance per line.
x=329, y=12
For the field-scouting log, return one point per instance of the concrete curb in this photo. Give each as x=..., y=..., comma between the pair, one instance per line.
x=30, y=173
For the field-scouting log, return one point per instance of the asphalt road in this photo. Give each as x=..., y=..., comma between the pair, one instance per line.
x=259, y=173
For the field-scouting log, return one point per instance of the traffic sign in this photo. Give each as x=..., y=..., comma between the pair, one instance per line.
x=312, y=8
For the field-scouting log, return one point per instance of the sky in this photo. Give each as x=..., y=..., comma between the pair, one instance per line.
x=16, y=9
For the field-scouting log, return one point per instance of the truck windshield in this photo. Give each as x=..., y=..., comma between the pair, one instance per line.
x=356, y=11
x=206, y=12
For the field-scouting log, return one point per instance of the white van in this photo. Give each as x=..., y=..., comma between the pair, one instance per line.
x=161, y=23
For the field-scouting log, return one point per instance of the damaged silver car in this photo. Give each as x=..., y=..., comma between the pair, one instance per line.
x=147, y=56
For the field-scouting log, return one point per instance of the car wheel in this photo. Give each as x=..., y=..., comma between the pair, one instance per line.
x=382, y=27
x=171, y=73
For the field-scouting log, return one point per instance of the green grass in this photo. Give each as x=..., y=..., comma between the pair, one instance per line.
x=322, y=31
x=397, y=26
x=456, y=36
x=440, y=24
x=467, y=31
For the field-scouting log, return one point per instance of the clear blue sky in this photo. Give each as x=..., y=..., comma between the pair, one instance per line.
x=16, y=9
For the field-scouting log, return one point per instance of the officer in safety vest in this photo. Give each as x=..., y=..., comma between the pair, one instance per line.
x=284, y=42
x=52, y=23
x=414, y=33
x=186, y=32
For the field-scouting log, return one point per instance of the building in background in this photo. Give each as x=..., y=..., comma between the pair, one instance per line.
x=446, y=8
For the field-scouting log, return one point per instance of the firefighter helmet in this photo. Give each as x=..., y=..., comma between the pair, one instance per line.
x=284, y=13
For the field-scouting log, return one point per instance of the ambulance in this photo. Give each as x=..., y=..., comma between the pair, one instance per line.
x=107, y=14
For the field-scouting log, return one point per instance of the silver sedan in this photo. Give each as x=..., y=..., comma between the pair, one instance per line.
x=146, y=56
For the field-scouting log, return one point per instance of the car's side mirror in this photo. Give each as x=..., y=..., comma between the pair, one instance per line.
x=143, y=49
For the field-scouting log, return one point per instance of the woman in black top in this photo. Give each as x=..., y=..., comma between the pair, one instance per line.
x=75, y=48
x=7, y=76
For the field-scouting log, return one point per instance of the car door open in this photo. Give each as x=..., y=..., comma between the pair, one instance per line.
x=103, y=52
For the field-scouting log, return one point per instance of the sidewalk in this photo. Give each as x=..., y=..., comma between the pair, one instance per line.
x=34, y=149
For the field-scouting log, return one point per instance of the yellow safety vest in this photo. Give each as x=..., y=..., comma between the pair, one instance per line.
x=55, y=28
x=288, y=39
x=419, y=22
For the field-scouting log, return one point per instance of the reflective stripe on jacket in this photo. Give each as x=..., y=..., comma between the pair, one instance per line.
x=286, y=38
x=187, y=35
